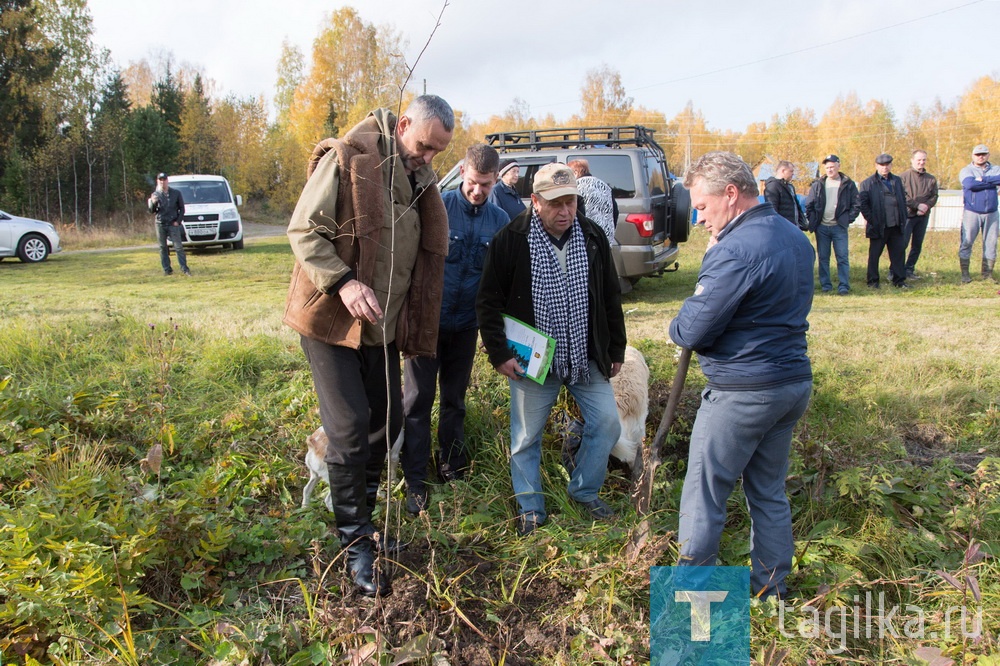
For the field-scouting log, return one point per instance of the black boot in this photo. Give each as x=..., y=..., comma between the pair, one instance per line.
x=987, y=269
x=353, y=517
x=373, y=479
x=369, y=579
x=964, y=265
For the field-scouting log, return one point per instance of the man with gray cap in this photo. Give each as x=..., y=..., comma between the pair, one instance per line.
x=882, y=200
x=552, y=269
x=980, y=180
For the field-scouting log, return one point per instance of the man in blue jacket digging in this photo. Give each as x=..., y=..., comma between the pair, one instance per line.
x=747, y=322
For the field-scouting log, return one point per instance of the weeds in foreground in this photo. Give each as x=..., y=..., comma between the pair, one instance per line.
x=893, y=479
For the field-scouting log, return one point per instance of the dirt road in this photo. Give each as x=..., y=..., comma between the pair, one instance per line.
x=251, y=230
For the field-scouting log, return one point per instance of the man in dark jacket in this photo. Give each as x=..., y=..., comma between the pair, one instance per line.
x=921, y=195
x=747, y=320
x=552, y=269
x=883, y=203
x=831, y=206
x=780, y=193
x=168, y=205
x=472, y=222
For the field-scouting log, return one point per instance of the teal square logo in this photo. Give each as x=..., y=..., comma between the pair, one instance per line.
x=699, y=616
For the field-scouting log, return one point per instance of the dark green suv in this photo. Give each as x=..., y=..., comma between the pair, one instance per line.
x=654, y=212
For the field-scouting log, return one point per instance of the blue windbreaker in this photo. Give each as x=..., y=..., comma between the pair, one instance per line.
x=747, y=317
x=470, y=230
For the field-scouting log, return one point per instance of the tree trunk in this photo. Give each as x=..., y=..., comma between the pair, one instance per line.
x=90, y=185
x=59, y=192
x=128, y=201
x=76, y=195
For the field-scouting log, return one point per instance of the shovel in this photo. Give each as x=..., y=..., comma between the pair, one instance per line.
x=650, y=456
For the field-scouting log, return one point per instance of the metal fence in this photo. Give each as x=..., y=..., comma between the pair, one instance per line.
x=947, y=214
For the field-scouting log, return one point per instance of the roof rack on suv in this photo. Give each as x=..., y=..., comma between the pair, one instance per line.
x=574, y=137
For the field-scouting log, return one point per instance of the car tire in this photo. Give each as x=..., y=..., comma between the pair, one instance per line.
x=32, y=248
x=238, y=245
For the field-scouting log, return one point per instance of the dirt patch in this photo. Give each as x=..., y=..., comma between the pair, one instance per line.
x=675, y=446
x=460, y=610
x=925, y=444
x=258, y=230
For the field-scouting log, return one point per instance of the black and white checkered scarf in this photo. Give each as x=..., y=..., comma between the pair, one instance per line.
x=560, y=299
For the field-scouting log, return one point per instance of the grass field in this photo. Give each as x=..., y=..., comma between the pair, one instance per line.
x=151, y=442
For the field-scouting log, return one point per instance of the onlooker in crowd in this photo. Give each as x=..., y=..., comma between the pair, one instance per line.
x=168, y=204
x=883, y=203
x=552, y=269
x=369, y=218
x=472, y=222
x=598, y=201
x=831, y=206
x=747, y=322
x=780, y=193
x=980, y=180
x=504, y=194
x=921, y=195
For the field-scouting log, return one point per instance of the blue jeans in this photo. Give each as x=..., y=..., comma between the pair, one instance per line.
x=176, y=234
x=837, y=236
x=744, y=434
x=530, y=404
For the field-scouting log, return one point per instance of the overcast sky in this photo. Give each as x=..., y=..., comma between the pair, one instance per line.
x=737, y=61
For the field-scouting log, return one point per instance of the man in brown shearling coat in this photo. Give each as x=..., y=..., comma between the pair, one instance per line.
x=370, y=236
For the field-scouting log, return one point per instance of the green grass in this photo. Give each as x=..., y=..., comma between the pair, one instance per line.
x=207, y=559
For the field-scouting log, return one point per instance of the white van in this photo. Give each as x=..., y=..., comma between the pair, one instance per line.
x=211, y=216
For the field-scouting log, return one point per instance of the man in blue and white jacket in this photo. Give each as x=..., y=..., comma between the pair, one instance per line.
x=980, y=180
x=747, y=321
x=472, y=222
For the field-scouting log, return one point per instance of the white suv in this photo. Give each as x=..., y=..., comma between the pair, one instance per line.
x=211, y=216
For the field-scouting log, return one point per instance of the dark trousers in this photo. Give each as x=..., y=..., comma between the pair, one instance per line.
x=456, y=353
x=176, y=235
x=351, y=385
x=913, y=236
x=892, y=238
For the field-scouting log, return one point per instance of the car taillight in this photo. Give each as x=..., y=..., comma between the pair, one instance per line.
x=643, y=223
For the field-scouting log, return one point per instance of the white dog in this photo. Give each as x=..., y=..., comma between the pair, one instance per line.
x=316, y=444
x=631, y=387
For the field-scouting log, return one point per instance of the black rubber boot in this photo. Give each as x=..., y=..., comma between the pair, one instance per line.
x=987, y=269
x=368, y=577
x=353, y=518
x=964, y=264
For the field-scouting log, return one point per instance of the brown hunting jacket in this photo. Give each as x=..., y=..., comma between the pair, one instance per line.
x=358, y=216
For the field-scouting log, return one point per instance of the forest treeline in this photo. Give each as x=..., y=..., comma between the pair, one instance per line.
x=82, y=139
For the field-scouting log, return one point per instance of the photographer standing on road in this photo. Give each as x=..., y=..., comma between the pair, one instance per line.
x=168, y=205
